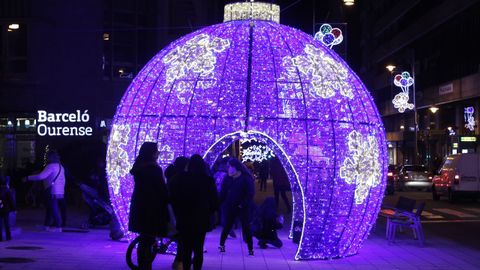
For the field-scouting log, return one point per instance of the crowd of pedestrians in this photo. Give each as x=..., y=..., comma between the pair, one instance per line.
x=196, y=199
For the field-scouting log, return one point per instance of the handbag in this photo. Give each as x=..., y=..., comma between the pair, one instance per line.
x=171, y=225
x=49, y=187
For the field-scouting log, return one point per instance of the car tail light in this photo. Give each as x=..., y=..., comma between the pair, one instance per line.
x=390, y=174
x=457, y=179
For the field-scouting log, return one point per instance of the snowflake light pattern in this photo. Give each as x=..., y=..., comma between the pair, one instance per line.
x=362, y=167
x=325, y=76
x=400, y=101
x=469, y=119
x=197, y=56
x=256, y=153
x=118, y=163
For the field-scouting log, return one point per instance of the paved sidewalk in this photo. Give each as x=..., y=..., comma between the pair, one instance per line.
x=94, y=250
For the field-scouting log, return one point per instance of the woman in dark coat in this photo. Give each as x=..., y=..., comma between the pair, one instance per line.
x=194, y=199
x=171, y=172
x=148, y=207
x=236, y=197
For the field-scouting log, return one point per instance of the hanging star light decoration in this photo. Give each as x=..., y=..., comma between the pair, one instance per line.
x=362, y=167
x=469, y=119
x=400, y=101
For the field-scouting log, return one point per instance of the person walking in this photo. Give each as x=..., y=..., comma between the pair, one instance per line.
x=148, y=206
x=281, y=184
x=263, y=175
x=194, y=199
x=53, y=177
x=236, y=197
x=7, y=205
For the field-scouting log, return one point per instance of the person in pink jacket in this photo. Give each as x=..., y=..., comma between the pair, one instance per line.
x=53, y=177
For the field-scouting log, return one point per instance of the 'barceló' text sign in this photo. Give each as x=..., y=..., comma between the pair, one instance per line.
x=64, y=124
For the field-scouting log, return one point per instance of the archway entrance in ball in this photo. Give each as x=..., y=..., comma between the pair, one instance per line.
x=298, y=198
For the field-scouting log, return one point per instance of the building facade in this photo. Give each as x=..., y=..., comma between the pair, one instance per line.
x=436, y=42
x=62, y=56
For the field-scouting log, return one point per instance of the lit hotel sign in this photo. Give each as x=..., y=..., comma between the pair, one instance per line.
x=468, y=139
x=64, y=124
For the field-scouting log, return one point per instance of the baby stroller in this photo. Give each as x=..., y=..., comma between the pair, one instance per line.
x=101, y=212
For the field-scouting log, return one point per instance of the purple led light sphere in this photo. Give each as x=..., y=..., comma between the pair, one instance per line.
x=259, y=79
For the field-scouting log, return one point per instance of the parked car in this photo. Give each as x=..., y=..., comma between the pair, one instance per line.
x=392, y=177
x=459, y=176
x=414, y=176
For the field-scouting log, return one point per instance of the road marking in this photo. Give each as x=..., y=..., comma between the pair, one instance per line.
x=429, y=215
x=454, y=212
x=475, y=210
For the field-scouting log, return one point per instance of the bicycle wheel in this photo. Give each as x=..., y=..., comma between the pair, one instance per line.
x=131, y=255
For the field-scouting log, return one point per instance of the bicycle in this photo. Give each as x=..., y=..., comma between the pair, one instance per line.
x=161, y=246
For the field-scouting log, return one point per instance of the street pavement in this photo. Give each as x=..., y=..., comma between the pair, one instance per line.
x=453, y=243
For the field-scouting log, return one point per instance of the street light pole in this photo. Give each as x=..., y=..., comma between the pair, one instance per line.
x=415, y=158
x=390, y=69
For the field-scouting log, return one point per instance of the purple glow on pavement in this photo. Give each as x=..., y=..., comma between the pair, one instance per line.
x=262, y=80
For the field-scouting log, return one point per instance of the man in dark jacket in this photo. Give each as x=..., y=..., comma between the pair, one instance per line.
x=148, y=207
x=236, y=197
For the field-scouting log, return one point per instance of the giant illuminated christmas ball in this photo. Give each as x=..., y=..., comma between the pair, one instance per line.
x=253, y=78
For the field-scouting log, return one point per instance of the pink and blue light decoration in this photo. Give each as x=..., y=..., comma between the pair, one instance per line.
x=469, y=118
x=400, y=101
x=258, y=79
x=328, y=35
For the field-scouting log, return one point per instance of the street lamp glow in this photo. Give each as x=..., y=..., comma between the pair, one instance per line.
x=434, y=109
x=349, y=2
x=13, y=26
x=390, y=68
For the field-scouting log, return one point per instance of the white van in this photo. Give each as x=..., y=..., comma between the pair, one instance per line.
x=459, y=176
